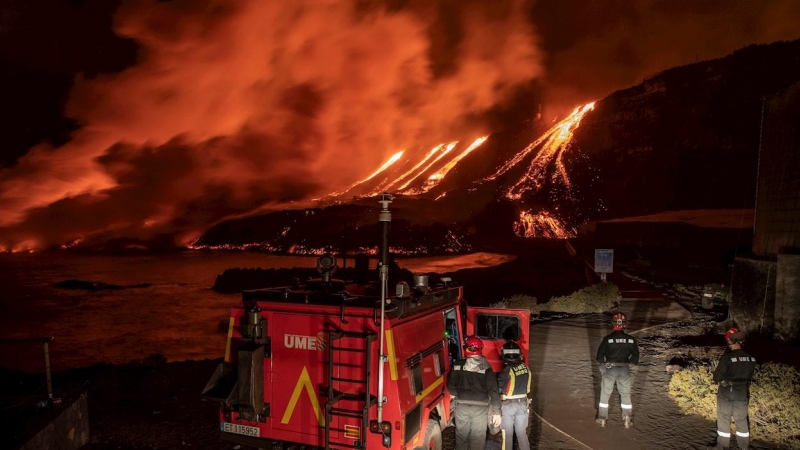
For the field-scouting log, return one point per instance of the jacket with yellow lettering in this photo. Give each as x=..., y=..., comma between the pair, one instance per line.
x=514, y=381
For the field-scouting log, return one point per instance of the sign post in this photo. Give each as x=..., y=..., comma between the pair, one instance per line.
x=603, y=262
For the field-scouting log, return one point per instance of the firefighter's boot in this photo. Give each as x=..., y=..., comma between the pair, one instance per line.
x=601, y=422
x=628, y=421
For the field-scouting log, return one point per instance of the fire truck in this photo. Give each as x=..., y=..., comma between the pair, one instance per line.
x=329, y=364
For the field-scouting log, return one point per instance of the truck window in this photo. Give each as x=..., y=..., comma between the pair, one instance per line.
x=497, y=326
x=451, y=333
x=415, y=378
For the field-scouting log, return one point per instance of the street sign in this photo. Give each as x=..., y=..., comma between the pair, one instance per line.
x=603, y=260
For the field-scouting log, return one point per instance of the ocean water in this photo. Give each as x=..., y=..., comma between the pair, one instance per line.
x=177, y=316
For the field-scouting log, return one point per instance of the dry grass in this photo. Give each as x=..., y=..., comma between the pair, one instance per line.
x=774, y=409
x=597, y=298
x=518, y=301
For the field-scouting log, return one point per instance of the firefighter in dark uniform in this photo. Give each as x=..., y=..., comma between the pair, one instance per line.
x=474, y=385
x=514, y=382
x=733, y=373
x=616, y=353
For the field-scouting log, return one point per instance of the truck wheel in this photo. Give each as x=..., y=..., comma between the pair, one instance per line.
x=708, y=302
x=433, y=436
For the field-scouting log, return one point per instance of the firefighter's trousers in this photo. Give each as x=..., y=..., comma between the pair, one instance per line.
x=621, y=376
x=515, y=420
x=471, y=423
x=732, y=402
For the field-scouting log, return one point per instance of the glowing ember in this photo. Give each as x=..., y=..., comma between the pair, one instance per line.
x=437, y=177
x=71, y=243
x=541, y=225
x=27, y=246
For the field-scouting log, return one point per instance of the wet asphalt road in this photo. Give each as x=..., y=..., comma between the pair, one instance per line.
x=567, y=381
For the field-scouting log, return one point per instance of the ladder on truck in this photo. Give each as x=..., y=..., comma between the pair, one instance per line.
x=339, y=388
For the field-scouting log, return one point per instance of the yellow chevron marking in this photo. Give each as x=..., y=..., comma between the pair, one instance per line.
x=303, y=382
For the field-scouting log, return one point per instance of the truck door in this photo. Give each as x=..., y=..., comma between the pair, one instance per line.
x=497, y=325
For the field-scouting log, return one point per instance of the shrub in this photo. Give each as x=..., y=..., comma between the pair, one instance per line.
x=774, y=409
x=591, y=299
x=518, y=301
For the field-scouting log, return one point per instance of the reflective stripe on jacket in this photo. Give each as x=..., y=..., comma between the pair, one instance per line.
x=514, y=381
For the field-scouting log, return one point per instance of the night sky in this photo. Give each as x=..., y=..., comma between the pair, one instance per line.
x=159, y=118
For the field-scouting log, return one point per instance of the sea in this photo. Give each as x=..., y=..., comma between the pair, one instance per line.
x=167, y=308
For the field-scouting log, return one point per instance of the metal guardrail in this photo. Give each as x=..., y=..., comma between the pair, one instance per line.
x=46, y=340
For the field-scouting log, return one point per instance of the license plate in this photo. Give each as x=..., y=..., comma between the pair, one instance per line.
x=239, y=429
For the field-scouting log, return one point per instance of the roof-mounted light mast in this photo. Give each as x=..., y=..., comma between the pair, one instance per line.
x=385, y=218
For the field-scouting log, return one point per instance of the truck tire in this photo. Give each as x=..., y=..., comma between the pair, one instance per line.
x=708, y=302
x=433, y=436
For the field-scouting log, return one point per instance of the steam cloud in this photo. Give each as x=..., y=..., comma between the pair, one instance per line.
x=237, y=105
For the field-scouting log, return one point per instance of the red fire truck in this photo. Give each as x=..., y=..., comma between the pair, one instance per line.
x=330, y=364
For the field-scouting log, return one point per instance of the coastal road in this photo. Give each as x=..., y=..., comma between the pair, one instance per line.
x=567, y=385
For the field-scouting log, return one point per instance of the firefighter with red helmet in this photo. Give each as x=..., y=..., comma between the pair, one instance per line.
x=515, y=383
x=616, y=353
x=474, y=385
x=733, y=373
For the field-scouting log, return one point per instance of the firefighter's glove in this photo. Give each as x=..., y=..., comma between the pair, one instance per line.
x=602, y=369
x=496, y=420
x=725, y=383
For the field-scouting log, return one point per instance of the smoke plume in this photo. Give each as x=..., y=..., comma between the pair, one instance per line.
x=242, y=104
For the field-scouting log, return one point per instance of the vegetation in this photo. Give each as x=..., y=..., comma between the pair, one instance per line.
x=591, y=299
x=774, y=409
x=518, y=301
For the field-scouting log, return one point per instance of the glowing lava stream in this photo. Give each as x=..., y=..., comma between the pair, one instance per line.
x=447, y=149
x=385, y=165
x=555, y=142
x=558, y=138
x=380, y=189
x=437, y=177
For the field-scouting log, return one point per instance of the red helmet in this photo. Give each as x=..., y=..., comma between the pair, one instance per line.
x=734, y=336
x=473, y=346
x=619, y=321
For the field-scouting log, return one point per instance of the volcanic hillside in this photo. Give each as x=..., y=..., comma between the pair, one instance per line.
x=685, y=138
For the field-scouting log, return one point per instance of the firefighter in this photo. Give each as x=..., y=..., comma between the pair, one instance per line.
x=616, y=353
x=514, y=382
x=733, y=373
x=474, y=385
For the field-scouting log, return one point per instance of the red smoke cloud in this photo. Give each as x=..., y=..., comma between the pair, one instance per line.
x=237, y=105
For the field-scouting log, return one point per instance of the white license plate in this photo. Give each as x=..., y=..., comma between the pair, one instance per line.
x=239, y=429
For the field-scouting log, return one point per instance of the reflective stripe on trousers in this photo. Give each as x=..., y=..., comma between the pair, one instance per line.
x=621, y=377
x=732, y=404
